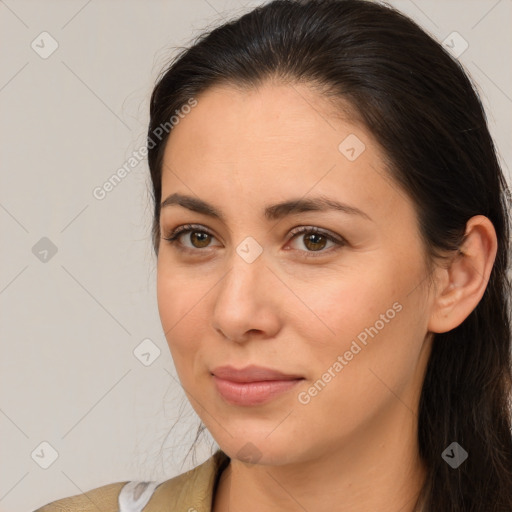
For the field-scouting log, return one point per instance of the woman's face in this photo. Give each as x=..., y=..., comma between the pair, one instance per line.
x=346, y=323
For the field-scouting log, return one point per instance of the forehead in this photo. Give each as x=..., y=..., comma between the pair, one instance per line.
x=272, y=115
x=275, y=141
x=273, y=122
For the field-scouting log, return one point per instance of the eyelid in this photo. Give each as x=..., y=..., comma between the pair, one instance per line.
x=313, y=229
x=185, y=228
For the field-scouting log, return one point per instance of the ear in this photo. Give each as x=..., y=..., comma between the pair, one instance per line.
x=462, y=284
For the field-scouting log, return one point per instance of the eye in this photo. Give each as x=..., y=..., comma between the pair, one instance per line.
x=314, y=239
x=195, y=229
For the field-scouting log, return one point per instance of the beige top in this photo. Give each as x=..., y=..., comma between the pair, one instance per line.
x=192, y=491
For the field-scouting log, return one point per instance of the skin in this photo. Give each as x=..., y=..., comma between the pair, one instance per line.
x=353, y=446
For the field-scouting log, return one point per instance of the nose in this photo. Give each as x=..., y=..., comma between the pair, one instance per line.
x=246, y=304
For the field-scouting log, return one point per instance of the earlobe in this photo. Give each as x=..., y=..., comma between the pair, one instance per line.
x=465, y=279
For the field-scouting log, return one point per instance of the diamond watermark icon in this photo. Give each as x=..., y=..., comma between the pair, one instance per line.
x=249, y=453
x=455, y=44
x=146, y=352
x=249, y=249
x=44, y=250
x=44, y=455
x=44, y=45
x=351, y=147
x=454, y=455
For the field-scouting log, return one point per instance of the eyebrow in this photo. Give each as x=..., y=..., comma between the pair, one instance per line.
x=271, y=212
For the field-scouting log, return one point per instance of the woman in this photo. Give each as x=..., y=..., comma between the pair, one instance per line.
x=331, y=226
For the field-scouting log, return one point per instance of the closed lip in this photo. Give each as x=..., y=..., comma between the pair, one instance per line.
x=252, y=373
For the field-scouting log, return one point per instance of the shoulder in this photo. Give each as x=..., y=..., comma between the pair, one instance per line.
x=103, y=498
x=192, y=490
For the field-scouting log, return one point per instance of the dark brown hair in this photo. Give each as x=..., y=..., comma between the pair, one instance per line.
x=423, y=110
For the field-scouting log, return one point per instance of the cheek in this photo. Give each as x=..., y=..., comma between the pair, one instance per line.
x=379, y=337
x=371, y=319
x=179, y=291
x=180, y=307
x=370, y=363
x=344, y=304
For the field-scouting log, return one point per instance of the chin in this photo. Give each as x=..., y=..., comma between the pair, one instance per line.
x=261, y=449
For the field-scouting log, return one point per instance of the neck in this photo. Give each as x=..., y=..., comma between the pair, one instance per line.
x=378, y=468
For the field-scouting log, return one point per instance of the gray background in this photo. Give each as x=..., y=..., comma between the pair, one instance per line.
x=70, y=321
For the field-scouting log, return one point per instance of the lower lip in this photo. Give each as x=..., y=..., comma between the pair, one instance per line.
x=252, y=393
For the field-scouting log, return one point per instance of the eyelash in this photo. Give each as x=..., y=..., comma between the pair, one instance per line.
x=173, y=237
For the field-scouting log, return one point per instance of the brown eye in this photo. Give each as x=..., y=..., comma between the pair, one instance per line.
x=202, y=239
x=199, y=239
x=315, y=240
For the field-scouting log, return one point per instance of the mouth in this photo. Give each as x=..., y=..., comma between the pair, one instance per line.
x=252, y=385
